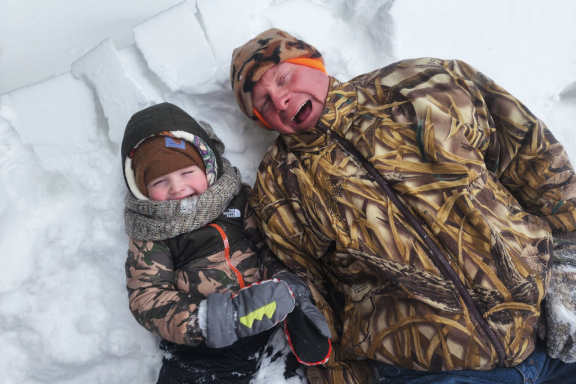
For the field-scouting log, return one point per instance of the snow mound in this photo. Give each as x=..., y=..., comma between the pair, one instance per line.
x=175, y=48
x=57, y=118
x=119, y=94
x=230, y=29
x=562, y=114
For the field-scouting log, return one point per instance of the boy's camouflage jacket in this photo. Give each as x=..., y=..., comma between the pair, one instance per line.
x=167, y=279
x=485, y=176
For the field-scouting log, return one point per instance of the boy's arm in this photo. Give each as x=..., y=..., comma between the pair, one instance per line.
x=529, y=162
x=160, y=307
x=155, y=302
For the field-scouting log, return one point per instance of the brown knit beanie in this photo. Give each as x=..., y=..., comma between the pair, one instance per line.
x=159, y=155
x=253, y=59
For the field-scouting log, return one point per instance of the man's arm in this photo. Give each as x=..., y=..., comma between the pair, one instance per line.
x=270, y=265
x=290, y=235
x=529, y=162
x=534, y=166
x=299, y=241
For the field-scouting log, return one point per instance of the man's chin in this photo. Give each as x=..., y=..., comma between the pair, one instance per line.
x=306, y=125
x=304, y=128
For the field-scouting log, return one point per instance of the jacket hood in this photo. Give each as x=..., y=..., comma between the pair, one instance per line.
x=169, y=120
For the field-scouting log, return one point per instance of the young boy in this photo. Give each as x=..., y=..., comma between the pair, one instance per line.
x=195, y=255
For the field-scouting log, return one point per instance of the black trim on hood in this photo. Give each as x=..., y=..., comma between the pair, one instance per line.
x=158, y=118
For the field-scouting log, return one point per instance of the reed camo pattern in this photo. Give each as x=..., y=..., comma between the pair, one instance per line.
x=487, y=179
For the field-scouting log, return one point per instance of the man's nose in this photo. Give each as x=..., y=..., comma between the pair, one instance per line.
x=280, y=98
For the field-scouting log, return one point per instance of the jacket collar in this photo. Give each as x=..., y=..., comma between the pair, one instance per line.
x=339, y=109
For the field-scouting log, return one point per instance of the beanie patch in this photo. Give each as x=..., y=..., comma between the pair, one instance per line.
x=253, y=59
x=172, y=143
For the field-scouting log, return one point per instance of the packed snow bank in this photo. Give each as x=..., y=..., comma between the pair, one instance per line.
x=561, y=116
x=57, y=118
x=63, y=307
x=526, y=47
x=40, y=39
x=175, y=48
x=118, y=92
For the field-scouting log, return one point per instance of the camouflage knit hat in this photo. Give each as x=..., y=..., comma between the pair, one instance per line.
x=160, y=155
x=253, y=59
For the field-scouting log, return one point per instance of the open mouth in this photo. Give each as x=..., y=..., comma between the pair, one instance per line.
x=303, y=112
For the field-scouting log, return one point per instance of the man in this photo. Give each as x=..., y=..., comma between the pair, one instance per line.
x=418, y=202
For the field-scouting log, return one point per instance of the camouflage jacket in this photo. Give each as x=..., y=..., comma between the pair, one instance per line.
x=486, y=178
x=167, y=279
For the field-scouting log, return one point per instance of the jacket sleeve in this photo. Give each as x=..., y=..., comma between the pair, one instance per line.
x=299, y=235
x=293, y=233
x=528, y=160
x=154, y=300
x=270, y=265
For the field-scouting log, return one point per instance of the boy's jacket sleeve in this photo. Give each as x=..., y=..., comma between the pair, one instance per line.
x=154, y=300
x=524, y=154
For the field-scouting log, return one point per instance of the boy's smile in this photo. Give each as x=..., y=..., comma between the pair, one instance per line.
x=179, y=184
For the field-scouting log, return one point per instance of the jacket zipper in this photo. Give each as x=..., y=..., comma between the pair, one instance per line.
x=227, y=254
x=434, y=253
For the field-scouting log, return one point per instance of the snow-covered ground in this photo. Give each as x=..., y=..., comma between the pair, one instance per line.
x=71, y=76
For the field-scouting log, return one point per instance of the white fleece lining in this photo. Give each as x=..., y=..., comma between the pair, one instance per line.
x=129, y=172
x=131, y=179
x=189, y=137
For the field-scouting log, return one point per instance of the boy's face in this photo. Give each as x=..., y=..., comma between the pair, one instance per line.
x=178, y=184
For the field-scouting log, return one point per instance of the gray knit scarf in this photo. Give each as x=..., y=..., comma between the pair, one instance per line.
x=161, y=220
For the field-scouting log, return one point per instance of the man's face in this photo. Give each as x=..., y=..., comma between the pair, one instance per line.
x=291, y=97
x=179, y=184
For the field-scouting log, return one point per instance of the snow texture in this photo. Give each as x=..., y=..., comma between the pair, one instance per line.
x=562, y=114
x=561, y=305
x=202, y=316
x=57, y=118
x=119, y=94
x=273, y=362
x=64, y=314
x=40, y=39
x=175, y=48
x=240, y=21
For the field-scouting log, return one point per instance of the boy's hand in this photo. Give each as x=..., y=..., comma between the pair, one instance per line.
x=252, y=310
x=304, y=301
x=306, y=327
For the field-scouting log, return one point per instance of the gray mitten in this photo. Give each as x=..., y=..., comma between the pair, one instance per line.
x=304, y=301
x=561, y=300
x=252, y=310
x=306, y=328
